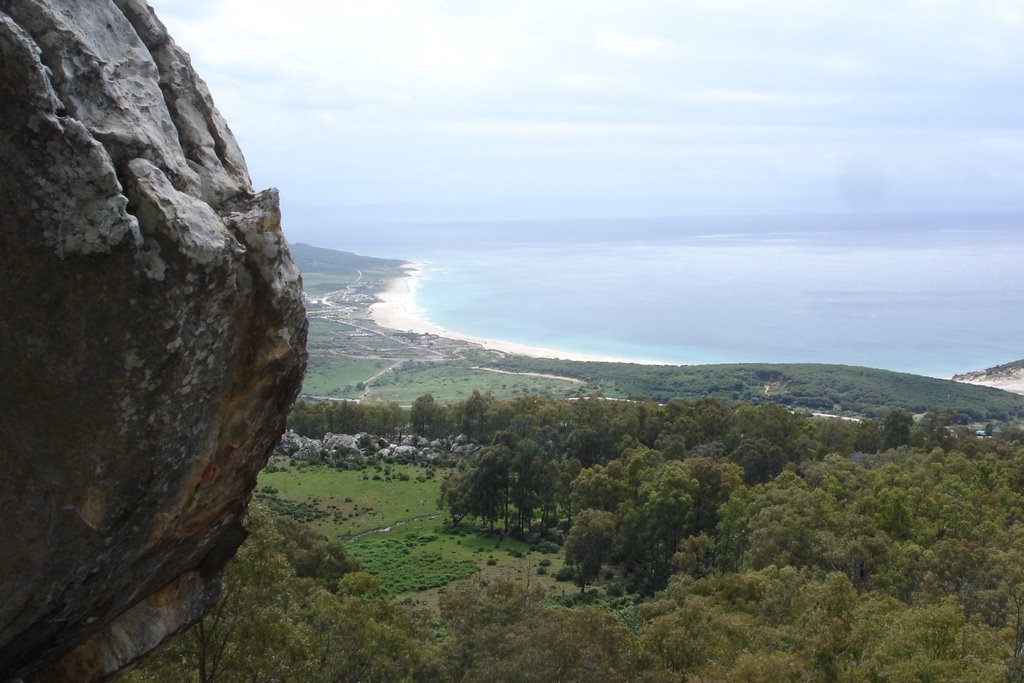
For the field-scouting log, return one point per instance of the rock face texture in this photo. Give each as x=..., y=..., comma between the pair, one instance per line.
x=152, y=338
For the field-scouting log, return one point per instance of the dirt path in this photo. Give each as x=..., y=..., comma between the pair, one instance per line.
x=368, y=382
x=530, y=374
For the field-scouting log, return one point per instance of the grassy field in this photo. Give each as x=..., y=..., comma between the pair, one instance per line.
x=450, y=382
x=346, y=503
x=325, y=334
x=415, y=559
x=338, y=376
x=389, y=518
x=353, y=340
x=322, y=283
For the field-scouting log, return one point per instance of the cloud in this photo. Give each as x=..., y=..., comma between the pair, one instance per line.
x=729, y=101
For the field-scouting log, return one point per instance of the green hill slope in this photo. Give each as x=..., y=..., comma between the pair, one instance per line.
x=318, y=260
x=828, y=388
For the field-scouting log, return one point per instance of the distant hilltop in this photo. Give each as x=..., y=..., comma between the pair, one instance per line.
x=319, y=260
x=1009, y=377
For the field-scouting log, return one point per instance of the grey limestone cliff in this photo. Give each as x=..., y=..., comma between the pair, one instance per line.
x=152, y=338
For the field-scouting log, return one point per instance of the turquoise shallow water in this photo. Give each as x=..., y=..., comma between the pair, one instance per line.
x=933, y=295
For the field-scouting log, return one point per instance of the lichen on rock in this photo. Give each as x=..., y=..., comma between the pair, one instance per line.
x=151, y=342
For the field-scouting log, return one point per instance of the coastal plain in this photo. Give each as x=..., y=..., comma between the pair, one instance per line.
x=368, y=341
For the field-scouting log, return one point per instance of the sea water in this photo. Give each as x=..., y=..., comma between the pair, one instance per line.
x=928, y=294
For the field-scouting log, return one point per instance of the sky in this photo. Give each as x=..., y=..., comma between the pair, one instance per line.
x=439, y=109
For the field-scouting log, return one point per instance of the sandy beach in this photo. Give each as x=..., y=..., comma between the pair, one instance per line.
x=397, y=310
x=1011, y=382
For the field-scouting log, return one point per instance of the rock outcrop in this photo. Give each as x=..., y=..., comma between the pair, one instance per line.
x=152, y=338
x=348, y=449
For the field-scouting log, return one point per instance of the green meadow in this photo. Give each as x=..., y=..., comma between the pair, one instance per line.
x=322, y=283
x=339, y=377
x=345, y=503
x=423, y=555
x=451, y=382
x=389, y=519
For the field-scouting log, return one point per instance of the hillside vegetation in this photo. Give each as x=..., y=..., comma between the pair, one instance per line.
x=829, y=388
x=704, y=541
x=317, y=262
x=729, y=536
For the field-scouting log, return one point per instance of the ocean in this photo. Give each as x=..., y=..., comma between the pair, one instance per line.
x=927, y=294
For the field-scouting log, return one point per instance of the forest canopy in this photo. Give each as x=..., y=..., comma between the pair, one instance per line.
x=709, y=542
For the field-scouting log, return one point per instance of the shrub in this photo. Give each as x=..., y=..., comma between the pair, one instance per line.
x=564, y=574
x=547, y=547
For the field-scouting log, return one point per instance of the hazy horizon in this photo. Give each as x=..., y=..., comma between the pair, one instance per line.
x=934, y=295
x=408, y=237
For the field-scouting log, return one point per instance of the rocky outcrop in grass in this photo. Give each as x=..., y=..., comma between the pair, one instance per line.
x=355, y=448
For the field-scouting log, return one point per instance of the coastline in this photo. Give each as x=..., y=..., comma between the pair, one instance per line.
x=397, y=310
